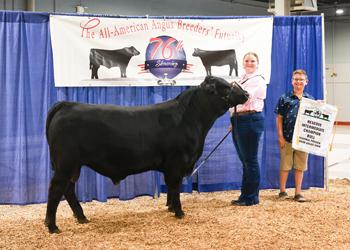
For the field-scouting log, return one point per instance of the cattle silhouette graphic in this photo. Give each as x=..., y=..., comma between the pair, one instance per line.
x=325, y=116
x=217, y=58
x=111, y=58
x=308, y=112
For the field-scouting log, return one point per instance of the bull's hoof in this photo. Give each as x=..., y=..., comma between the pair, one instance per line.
x=54, y=230
x=83, y=221
x=170, y=209
x=180, y=215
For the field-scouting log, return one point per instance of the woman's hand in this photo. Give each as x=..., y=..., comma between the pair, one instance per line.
x=234, y=83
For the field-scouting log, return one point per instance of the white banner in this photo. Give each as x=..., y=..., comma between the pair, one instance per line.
x=313, y=128
x=103, y=51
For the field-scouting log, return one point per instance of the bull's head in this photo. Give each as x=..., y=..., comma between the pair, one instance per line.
x=233, y=94
x=132, y=51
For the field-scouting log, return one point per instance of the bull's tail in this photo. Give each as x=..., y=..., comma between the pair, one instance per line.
x=53, y=110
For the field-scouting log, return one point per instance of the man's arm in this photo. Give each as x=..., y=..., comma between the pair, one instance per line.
x=279, y=123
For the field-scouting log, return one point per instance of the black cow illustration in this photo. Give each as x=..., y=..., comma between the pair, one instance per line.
x=111, y=58
x=217, y=58
x=325, y=116
x=308, y=112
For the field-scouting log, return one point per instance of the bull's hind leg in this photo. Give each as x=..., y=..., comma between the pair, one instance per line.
x=58, y=185
x=94, y=70
x=73, y=202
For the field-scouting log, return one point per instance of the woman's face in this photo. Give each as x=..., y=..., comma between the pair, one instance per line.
x=250, y=63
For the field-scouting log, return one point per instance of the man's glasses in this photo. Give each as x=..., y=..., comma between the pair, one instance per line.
x=299, y=80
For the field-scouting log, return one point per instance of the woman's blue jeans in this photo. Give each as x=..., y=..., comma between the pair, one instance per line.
x=249, y=130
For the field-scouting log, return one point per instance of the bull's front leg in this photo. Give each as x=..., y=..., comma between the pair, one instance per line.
x=123, y=71
x=174, y=183
x=208, y=70
x=231, y=69
x=168, y=197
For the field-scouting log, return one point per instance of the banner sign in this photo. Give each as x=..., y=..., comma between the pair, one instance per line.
x=313, y=128
x=107, y=51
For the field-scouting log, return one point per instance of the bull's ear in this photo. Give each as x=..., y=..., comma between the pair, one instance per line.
x=209, y=85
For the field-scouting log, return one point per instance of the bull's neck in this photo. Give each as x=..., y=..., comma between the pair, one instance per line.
x=202, y=109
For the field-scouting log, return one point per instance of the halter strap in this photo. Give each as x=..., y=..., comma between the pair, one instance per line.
x=250, y=78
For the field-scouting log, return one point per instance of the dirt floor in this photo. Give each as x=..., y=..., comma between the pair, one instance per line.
x=211, y=222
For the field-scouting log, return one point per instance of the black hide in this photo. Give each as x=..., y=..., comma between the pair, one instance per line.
x=217, y=58
x=111, y=58
x=118, y=141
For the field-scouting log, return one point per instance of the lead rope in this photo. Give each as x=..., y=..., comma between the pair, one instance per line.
x=235, y=123
x=335, y=128
x=195, y=170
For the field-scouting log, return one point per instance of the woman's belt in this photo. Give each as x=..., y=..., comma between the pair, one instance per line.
x=244, y=113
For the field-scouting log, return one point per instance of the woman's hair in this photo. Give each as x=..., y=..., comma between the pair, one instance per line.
x=300, y=72
x=252, y=54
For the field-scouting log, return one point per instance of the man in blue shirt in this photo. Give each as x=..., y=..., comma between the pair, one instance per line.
x=287, y=111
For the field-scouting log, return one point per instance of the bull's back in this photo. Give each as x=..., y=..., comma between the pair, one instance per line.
x=132, y=137
x=218, y=58
x=109, y=58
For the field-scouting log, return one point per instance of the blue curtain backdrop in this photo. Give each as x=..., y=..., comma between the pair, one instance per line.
x=27, y=92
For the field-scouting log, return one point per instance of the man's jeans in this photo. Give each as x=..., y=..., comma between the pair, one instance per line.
x=249, y=130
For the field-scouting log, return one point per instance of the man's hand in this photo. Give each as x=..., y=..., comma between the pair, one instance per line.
x=230, y=128
x=281, y=142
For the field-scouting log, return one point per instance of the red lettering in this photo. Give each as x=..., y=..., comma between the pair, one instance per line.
x=159, y=42
x=179, y=46
x=101, y=34
x=89, y=25
x=217, y=32
x=167, y=47
x=179, y=24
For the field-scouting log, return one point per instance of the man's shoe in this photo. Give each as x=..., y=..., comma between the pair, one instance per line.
x=299, y=198
x=283, y=195
x=238, y=203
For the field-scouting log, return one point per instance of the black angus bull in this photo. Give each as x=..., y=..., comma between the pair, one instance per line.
x=217, y=58
x=118, y=141
x=111, y=58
